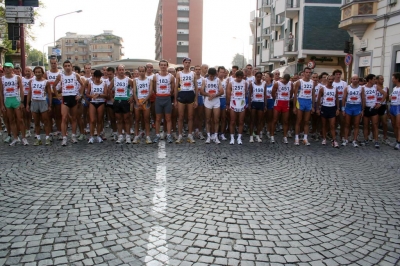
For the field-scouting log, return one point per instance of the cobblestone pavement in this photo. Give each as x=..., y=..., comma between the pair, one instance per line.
x=169, y=204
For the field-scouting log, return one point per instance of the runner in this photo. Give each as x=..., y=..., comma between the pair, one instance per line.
x=11, y=90
x=39, y=90
x=383, y=110
x=174, y=112
x=51, y=75
x=329, y=109
x=185, y=98
x=70, y=97
x=353, y=104
x=27, y=113
x=164, y=82
x=211, y=90
x=84, y=116
x=121, y=104
x=303, y=99
x=370, y=114
x=281, y=92
x=236, y=93
x=257, y=90
x=269, y=103
x=199, y=111
x=222, y=101
x=395, y=108
x=339, y=85
x=316, y=119
x=142, y=91
x=110, y=103
x=97, y=92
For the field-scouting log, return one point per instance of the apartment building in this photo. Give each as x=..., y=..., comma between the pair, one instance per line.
x=179, y=30
x=93, y=49
x=375, y=30
x=289, y=35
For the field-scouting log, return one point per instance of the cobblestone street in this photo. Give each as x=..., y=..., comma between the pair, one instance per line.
x=169, y=204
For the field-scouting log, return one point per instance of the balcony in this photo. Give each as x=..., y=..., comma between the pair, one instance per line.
x=82, y=61
x=279, y=47
x=291, y=46
x=266, y=22
x=265, y=5
x=278, y=22
x=265, y=55
x=82, y=52
x=69, y=44
x=97, y=59
x=69, y=52
x=357, y=16
x=100, y=50
x=291, y=7
x=82, y=44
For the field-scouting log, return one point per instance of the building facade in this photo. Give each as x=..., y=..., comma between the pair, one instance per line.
x=93, y=49
x=375, y=30
x=289, y=35
x=179, y=30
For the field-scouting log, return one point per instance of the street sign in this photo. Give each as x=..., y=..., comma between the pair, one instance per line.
x=19, y=9
x=348, y=59
x=20, y=20
x=311, y=64
x=34, y=3
x=22, y=14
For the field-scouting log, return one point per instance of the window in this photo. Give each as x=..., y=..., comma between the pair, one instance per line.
x=363, y=71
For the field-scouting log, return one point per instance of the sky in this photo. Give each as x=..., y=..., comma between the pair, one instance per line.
x=133, y=20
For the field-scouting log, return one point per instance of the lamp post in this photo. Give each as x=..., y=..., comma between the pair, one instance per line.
x=236, y=38
x=54, y=25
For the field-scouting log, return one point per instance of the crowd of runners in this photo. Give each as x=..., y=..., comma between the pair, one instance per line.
x=190, y=100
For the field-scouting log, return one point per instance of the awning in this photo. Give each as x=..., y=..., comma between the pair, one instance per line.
x=328, y=69
x=290, y=69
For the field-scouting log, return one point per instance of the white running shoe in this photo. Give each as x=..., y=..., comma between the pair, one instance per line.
x=128, y=139
x=120, y=139
x=212, y=136
x=64, y=141
x=216, y=140
x=179, y=140
x=251, y=139
x=222, y=137
x=305, y=142
x=239, y=141
x=201, y=136
x=232, y=141
x=208, y=140
x=15, y=141
x=285, y=140
x=272, y=139
x=289, y=134
x=190, y=139
x=296, y=142
x=258, y=139
x=99, y=139
x=25, y=142
x=74, y=140
x=28, y=134
x=135, y=140
x=91, y=140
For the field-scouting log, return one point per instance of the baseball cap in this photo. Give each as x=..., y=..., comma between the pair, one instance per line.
x=8, y=64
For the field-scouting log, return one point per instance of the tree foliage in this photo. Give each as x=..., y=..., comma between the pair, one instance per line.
x=35, y=58
x=239, y=60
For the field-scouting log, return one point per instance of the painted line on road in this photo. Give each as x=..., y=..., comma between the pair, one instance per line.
x=157, y=246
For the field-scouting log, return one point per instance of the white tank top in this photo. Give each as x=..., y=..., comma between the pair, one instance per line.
x=316, y=91
x=250, y=80
x=187, y=81
x=25, y=83
x=51, y=77
x=329, y=97
x=142, y=88
x=223, y=84
x=163, y=86
x=340, y=88
x=121, y=87
x=211, y=86
x=258, y=92
x=395, y=96
x=97, y=89
x=269, y=91
x=38, y=90
x=283, y=91
x=68, y=87
x=199, y=83
x=354, y=95
x=10, y=86
x=379, y=96
x=370, y=96
x=306, y=89
x=238, y=90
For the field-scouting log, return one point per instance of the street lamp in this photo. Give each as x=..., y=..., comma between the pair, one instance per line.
x=236, y=38
x=54, y=25
x=43, y=50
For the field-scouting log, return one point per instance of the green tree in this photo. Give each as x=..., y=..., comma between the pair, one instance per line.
x=239, y=60
x=35, y=58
